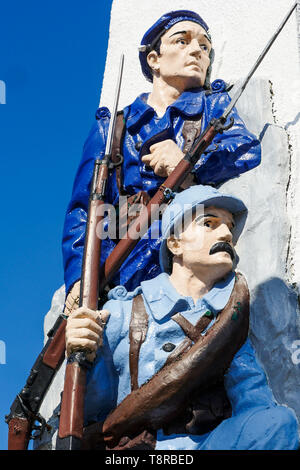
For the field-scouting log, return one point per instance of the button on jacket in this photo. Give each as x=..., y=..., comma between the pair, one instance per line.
x=230, y=154
x=257, y=421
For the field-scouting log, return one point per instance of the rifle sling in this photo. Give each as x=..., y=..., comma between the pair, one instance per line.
x=117, y=145
x=190, y=131
x=159, y=400
x=138, y=330
x=137, y=335
x=191, y=331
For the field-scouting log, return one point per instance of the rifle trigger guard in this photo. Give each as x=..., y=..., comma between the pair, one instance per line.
x=40, y=429
x=221, y=127
x=119, y=162
x=167, y=192
x=34, y=417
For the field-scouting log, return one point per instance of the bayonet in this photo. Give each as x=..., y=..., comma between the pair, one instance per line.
x=245, y=82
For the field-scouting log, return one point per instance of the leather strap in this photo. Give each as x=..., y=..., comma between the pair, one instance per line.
x=193, y=332
x=117, y=146
x=137, y=335
x=190, y=131
x=161, y=398
x=183, y=347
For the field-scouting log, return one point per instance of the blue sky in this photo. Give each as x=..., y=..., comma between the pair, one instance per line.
x=52, y=62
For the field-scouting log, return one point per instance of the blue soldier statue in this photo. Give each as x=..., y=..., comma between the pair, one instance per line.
x=175, y=55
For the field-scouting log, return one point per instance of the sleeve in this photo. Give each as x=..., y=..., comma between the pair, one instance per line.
x=76, y=214
x=102, y=379
x=234, y=152
x=246, y=383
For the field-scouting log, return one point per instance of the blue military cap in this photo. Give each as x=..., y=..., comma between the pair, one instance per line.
x=185, y=203
x=165, y=22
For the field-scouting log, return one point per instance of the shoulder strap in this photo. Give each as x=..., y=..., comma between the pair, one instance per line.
x=160, y=399
x=190, y=131
x=117, y=147
x=191, y=331
x=137, y=335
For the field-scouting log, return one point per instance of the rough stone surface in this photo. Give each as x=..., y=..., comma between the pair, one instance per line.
x=264, y=249
x=269, y=249
x=50, y=406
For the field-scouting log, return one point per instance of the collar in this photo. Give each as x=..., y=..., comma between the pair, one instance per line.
x=164, y=300
x=189, y=103
x=135, y=112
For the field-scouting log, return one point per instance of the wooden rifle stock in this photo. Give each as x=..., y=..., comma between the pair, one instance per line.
x=25, y=408
x=19, y=430
x=72, y=406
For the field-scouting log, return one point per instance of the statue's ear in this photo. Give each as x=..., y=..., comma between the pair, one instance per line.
x=153, y=61
x=174, y=245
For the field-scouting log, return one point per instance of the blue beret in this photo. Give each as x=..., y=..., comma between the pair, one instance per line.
x=165, y=22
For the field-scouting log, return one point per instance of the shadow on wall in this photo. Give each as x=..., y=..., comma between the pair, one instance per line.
x=275, y=334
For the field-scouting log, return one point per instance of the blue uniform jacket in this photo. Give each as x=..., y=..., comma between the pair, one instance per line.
x=257, y=421
x=230, y=154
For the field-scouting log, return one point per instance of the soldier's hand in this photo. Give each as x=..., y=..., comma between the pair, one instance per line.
x=163, y=158
x=72, y=300
x=84, y=331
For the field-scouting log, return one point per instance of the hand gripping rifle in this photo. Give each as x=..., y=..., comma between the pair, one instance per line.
x=25, y=408
x=24, y=411
x=72, y=405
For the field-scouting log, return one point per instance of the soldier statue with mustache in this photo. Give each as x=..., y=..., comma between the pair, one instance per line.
x=173, y=366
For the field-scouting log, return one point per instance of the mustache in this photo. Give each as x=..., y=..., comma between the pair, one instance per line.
x=222, y=246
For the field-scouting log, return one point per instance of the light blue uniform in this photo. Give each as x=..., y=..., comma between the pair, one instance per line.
x=257, y=421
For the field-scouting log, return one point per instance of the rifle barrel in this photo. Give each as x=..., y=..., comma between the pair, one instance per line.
x=72, y=404
x=257, y=63
x=112, y=122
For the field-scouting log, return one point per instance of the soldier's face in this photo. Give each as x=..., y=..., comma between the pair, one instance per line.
x=184, y=55
x=207, y=242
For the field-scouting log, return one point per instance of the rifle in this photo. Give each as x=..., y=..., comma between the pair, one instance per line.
x=72, y=404
x=24, y=410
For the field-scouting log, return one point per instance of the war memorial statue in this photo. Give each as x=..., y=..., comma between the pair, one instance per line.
x=157, y=129
x=166, y=361
x=161, y=407
x=157, y=380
